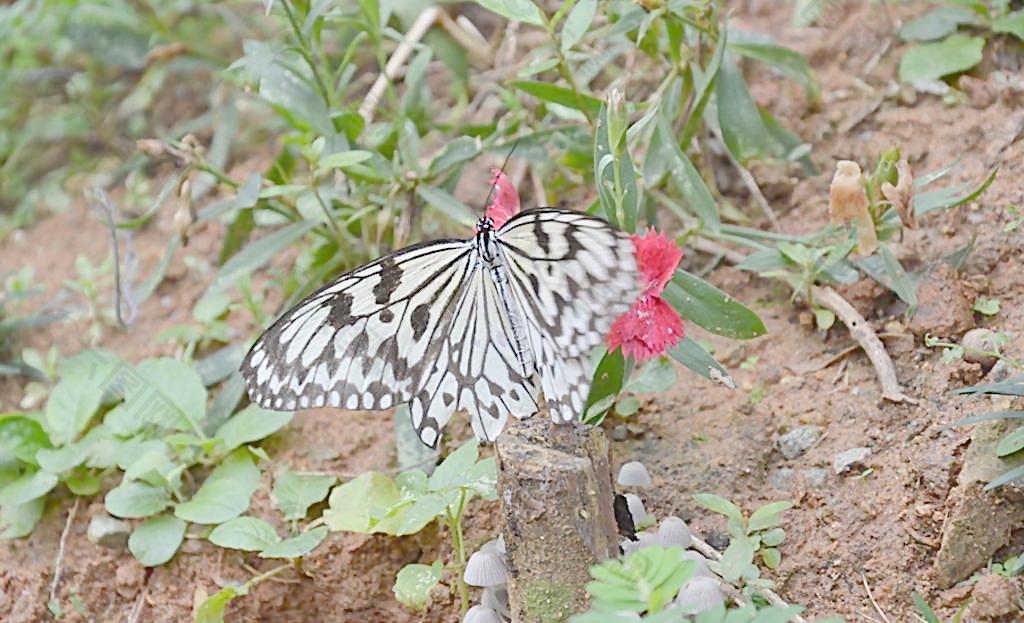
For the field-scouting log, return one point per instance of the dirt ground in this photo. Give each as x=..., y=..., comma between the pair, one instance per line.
x=876, y=527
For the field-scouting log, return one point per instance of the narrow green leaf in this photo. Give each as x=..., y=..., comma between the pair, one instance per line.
x=1011, y=443
x=924, y=609
x=714, y=310
x=901, y=281
x=687, y=180
x=767, y=516
x=738, y=116
x=693, y=356
x=791, y=63
x=446, y=204
x=563, y=96
x=515, y=10
x=577, y=23
x=946, y=198
x=257, y=253
x=345, y=159
x=1013, y=474
x=154, y=541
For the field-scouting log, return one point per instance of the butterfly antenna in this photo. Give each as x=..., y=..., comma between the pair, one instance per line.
x=494, y=186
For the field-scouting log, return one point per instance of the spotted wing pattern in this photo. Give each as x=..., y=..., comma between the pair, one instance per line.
x=571, y=275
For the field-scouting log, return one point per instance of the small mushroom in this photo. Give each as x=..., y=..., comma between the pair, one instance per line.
x=674, y=531
x=636, y=508
x=495, y=545
x=634, y=474
x=700, y=594
x=485, y=568
x=643, y=539
x=702, y=570
x=481, y=614
x=496, y=598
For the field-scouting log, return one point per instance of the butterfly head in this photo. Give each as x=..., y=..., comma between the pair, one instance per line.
x=485, y=223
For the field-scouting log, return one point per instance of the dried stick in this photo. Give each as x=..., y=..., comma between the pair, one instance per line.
x=60, y=550
x=860, y=329
x=712, y=554
x=402, y=53
x=871, y=597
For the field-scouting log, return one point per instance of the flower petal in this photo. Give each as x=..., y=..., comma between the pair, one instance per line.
x=648, y=329
x=657, y=258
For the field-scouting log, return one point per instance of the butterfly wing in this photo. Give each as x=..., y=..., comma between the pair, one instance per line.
x=571, y=274
x=367, y=340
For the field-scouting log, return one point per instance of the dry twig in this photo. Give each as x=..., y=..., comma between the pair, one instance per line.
x=874, y=603
x=54, y=585
x=402, y=53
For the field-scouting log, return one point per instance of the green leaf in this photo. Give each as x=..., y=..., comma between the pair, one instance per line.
x=577, y=23
x=655, y=376
x=19, y=520
x=627, y=406
x=27, y=487
x=714, y=310
x=773, y=537
x=352, y=503
x=257, y=253
x=414, y=583
x=22, y=437
x=455, y=152
x=902, y=283
x=743, y=130
x=446, y=204
x=687, y=180
x=515, y=10
x=245, y=533
x=482, y=478
x=212, y=610
x=174, y=397
x=344, y=159
x=719, y=505
x=771, y=557
x=736, y=559
x=60, y=460
x=1012, y=23
x=154, y=541
x=225, y=493
x=607, y=382
x=83, y=482
x=925, y=610
x=988, y=307
x=615, y=175
x=251, y=424
x=296, y=546
x=71, y=405
x=563, y=96
x=1013, y=474
x=693, y=356
x=294, y=493
x=131, y=500
x=791, y=63
x=937, y=23
x=946, y=198
x=422, y=511
x=1011, y=443
x=452, y=471
x=931, y=61
x=767, y=516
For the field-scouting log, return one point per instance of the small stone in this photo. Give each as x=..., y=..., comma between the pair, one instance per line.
x=981, y=93
x=108, y=531
x=129, y=577
x=999, y=372
x=815, y=477
x=619, y=433
x=943, y=308
x=782, y=479
x=718, y=540
x=799, y=440
x=980, y=340
x=994, y=598
x=850, y=459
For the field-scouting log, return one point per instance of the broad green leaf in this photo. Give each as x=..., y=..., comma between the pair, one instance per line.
x=736, y=559
x=28, y=487
x=1012, y=23
x=71, y=405
x=687, y=180
x=986, y=306
x=251, y=424
x=294, y=493
x=212, y=610
x=84, y=482
x=131, y=500
x=482, y=478
x=693, y=356
x=65, y=458
x=657, y=375
x=226, y=492
x=515, y=10
x=452, y=471
x=296, y=546
x=154, y=541
x=446, y=204
x=245, y=533
x=719, y=505
x=627, y=406
x=931, y=61
x=352, y=503
x=773, y=537
x=1011, y=443
x=19, y=520
x=415, y=517
x=257, y=253
x=563, y=96
x=771, y=557
x=344, y=159
x=414, y=583
x=577, y=23
x=738, y=116
x=704, y=304
x=791, y=63
x=172, y=397
x=767, y=516
x=607, y=383
x=22, y=437
x=937, y=23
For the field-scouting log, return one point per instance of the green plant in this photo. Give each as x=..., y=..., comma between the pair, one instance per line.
x=1012, y=444
x=406, y=504
x=941, y=47
x=952, y=352
x=757, y=534
x=927, y=615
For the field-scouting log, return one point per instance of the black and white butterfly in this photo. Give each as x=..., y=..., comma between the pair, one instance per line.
x=480, y=325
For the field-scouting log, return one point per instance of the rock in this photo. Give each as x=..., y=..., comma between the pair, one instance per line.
x=850, y=459
x=109, y=532
x=619, y=433
x=799, y=440
x=943, y=309
x=782, y=479
x=718, y=540
x=815, y=477
x=981, y=93
x=129, y=577
x=980, y=340
x=979, y=522
x=994, y=598
x=1000, y=372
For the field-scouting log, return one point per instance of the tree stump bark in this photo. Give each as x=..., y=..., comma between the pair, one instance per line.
x=555, y=487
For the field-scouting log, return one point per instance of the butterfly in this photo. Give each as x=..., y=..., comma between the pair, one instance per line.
x=483, y=325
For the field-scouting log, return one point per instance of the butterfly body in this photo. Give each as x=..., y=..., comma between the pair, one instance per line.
x=482, y=325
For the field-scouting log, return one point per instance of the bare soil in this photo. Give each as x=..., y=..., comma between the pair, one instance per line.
x=878, y=526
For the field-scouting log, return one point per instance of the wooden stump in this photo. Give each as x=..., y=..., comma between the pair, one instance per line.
x=555, y=487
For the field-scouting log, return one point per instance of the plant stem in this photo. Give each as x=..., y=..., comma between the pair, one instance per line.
x=455, y=529
x=304, y=51
x=564, y=69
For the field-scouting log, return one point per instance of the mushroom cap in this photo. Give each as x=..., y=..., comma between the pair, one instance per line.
x=634, y=474
x=485, y=568
x=496, y=598
x=481, y=614
x=495, y=545
x=702, y=570
x=674, y=531
x=643, y=539
x=700, y=594
x=636, y=508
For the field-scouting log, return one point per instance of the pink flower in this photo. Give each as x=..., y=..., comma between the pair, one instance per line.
x=504, y=201
x=651, y=326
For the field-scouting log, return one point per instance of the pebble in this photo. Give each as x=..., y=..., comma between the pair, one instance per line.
x=799, y=440
x=849, y=459
x=815, y=477
x=782, y=479
x=109, y=532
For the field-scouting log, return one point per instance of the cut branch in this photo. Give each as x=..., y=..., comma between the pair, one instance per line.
x=402, y=53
